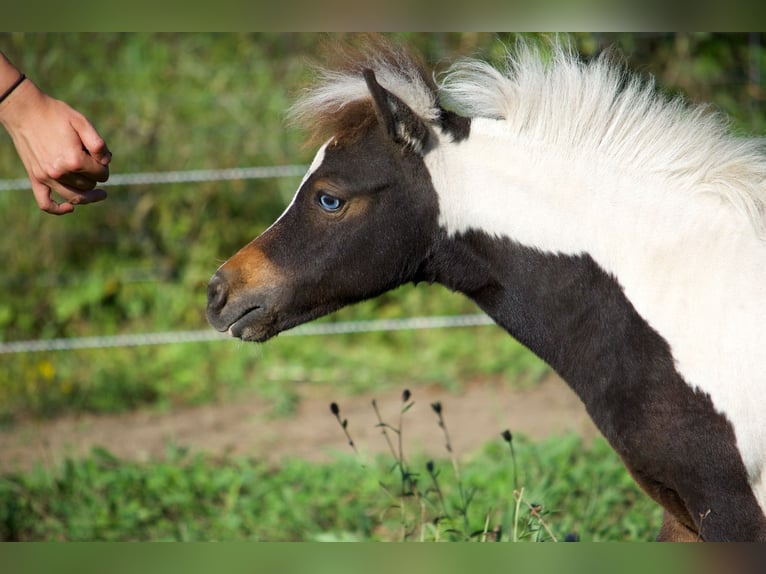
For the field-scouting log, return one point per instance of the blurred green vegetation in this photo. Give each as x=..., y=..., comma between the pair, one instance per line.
x=583, y=491
x=140, y=262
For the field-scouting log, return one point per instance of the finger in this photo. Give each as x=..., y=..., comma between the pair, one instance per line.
x=92, y=142
x=79, y=181
x=75, y=196
x=45, y=202
x=90, y=196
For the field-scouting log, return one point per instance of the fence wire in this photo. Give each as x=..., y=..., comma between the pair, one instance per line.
x=188, y=176
x=203, y=335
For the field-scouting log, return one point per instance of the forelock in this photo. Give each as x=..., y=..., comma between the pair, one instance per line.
x=338, y=104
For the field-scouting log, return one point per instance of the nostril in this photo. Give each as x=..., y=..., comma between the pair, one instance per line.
x=217, y=293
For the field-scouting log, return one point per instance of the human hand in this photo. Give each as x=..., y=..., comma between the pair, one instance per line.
x=59, y=147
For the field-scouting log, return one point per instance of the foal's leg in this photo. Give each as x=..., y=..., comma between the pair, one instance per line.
x=673, y=530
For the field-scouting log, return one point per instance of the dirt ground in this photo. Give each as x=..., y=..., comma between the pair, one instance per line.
x=248, y=426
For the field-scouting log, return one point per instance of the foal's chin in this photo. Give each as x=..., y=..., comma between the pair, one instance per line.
x=259, y=326
x=253, y=333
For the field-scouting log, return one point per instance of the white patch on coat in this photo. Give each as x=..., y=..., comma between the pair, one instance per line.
x=573, y=158
x=315, y=164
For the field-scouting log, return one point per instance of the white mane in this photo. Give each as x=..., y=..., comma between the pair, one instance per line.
x=598, y=107
x=577, y=108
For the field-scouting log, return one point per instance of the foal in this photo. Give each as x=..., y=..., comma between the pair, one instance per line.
x=617, y=234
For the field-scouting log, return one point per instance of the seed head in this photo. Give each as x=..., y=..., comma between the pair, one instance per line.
x=406, y=395
x=437, y=407
x=507, y=436
x=334, y=409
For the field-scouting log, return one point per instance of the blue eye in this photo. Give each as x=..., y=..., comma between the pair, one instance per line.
x=330, y=202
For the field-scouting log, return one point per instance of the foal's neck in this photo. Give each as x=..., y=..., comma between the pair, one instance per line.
x=554, y=247
x=564, y=308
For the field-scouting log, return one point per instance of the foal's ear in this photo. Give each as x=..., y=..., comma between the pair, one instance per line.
x=398, y=120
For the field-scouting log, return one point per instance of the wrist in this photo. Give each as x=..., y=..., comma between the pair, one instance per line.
x=9, y=77
x=10, y=89
x=19, y=102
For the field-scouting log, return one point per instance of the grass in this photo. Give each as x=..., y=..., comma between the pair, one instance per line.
x=487, y=501
x=560, y=489
x=195, y=497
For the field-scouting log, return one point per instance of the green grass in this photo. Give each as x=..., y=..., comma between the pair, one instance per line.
x=583, y=493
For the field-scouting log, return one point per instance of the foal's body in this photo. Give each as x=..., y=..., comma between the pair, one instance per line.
x=590, y=233
x=592, y=297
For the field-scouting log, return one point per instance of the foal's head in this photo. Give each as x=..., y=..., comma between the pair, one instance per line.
x=361, y=223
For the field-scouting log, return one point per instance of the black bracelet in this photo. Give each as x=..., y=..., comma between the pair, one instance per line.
x=15, y=85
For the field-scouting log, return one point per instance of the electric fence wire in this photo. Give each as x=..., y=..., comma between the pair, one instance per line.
x=187, y=176
x=204, y=335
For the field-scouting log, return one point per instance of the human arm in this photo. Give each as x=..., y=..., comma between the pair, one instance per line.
x=59, y=147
